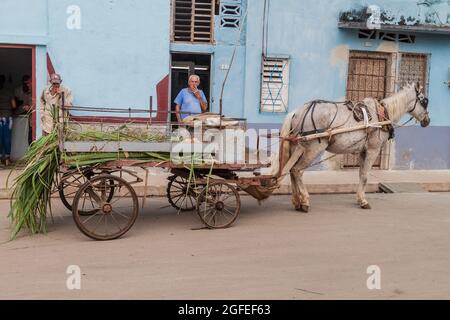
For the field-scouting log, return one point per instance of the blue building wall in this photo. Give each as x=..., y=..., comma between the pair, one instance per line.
x=119, y=53
x=122, y=51
x=307, y=31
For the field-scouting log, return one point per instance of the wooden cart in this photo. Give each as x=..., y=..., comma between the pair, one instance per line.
x=103, y=199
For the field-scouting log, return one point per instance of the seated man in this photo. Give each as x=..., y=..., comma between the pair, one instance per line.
x=191, y=100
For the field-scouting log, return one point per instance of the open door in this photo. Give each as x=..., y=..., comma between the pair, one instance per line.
x=17, y=68
x=183, y=66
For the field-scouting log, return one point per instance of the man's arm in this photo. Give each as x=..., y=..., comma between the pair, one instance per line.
x=202, y=100
x=178, y=110
x=13, y=103
x=68, y=98
x=204, y=105
x=14, y=100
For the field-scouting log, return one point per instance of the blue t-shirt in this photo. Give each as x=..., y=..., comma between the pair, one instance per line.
x=189, y=103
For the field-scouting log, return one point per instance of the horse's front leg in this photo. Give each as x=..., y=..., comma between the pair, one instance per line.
x=367, y=159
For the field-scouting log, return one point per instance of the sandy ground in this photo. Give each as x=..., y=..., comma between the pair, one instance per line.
x=272, y=252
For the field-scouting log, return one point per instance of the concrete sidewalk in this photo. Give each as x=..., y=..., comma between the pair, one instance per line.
x=318, y=182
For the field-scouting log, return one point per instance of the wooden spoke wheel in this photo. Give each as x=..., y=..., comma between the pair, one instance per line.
x=179, y=196
x=113, y=215
x=220, y=205
x=71, y=182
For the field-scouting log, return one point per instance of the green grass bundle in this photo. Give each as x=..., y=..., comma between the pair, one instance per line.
x=123, y=133
x=90, y=159
x=32, y=188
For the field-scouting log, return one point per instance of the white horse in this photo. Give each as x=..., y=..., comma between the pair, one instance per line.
x=319, y=116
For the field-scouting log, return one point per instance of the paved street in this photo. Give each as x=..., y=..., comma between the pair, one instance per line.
x=272, y=252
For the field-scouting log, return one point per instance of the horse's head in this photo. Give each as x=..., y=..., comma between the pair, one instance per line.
x=419, y=109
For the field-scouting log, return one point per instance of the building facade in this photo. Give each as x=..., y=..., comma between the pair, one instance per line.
x=275, y=54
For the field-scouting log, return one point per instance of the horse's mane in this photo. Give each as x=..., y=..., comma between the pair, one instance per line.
x=397, y=103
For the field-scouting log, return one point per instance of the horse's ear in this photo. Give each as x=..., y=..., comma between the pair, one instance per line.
x=417, y=86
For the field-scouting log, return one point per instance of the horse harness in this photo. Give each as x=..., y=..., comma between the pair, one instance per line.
x=360, y=110
x=383, y=115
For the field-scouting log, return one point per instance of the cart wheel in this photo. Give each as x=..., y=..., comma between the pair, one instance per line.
x=70, y=184
x=220, y=206
x=113, y=215
x=178, y=196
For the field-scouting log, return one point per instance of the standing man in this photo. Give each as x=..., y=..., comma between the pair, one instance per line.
x=5, y=121
x=22, y=102
x=23, y=98
x=191, y=100
x=52, y=102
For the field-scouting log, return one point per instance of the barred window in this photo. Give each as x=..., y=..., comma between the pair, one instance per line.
x=413, y=68
x=193, y=20
x=275, y=84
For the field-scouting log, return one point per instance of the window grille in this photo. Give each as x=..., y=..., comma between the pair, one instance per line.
x=230, y=14
x=275, y=85
x=394, y=37
x=413, y=68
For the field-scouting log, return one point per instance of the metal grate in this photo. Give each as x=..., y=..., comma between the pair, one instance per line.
x=275, y=85
x=366, y=78
x=193, y=20
x=369, y=76
x=394, y=37
x=413, y=68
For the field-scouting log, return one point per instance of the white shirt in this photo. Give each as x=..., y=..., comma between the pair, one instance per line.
x=49, y=101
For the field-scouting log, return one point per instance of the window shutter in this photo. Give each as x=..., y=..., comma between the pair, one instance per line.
x=275, y=85
x=193, y=20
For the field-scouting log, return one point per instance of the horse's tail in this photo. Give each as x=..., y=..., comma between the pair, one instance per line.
x=285, y=147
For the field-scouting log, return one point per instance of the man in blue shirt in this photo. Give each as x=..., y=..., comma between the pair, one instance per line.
x=191, y=100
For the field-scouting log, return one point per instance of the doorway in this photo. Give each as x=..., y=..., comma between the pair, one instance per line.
x=370, y=74
x=183, y=66
x=17, y=68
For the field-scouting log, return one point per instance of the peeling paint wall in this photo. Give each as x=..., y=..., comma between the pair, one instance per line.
x=403, y=12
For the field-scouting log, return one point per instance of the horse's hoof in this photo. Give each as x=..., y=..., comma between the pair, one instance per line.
x=366, y=206
x=304, y=208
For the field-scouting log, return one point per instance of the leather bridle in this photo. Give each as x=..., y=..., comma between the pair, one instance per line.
x=423, y=101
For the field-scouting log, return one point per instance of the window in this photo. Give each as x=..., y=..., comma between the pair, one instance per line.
x=394, y=37
x=413, y=68
x=230, y=14
x=387, y=36
x=275, y=84
x=193, y=20
x=367, y=34
x=406, y=38
x=366, y=78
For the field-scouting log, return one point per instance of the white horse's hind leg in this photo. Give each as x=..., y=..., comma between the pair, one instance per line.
x=367, y=159
x=296, y=197
x=311, y=153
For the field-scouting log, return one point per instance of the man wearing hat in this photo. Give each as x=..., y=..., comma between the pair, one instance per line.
x=52, y=99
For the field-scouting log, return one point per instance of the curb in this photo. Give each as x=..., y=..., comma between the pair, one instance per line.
x=160, y=191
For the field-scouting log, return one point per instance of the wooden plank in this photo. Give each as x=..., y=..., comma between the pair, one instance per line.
x=339, y=131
